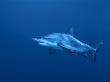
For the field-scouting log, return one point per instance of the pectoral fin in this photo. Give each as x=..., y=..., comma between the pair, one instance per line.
x=51, y=51
x=65, y=48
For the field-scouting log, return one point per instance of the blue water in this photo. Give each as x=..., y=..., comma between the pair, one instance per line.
x=22, y=60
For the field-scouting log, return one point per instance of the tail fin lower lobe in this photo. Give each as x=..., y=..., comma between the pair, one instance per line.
x=97, y=50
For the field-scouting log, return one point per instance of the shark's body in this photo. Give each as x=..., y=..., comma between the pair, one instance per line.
x=68, y=43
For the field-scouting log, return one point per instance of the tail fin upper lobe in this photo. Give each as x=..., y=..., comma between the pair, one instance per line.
x=97, y=50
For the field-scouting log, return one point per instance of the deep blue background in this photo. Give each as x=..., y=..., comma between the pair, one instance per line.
x=22, y=60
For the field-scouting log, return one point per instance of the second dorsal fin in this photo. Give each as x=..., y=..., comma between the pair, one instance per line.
x=70, y=31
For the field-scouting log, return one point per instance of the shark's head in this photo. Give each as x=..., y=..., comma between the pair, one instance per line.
x=41, y=41
x=44, y=41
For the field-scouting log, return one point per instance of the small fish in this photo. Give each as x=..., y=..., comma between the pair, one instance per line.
x=66, y=42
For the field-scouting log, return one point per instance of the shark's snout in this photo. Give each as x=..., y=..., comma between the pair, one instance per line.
x=35, y=39
x=39, y=40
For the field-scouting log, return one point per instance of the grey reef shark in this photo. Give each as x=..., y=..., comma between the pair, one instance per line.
x=66, y=42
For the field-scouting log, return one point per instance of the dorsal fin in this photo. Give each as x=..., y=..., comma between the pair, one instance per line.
x=70, y=31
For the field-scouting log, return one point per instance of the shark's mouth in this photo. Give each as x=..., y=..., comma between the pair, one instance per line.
x=42, y=43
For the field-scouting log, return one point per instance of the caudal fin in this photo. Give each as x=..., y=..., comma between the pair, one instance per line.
x=97, y=50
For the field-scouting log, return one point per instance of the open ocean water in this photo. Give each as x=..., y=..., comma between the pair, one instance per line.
x=22, y=60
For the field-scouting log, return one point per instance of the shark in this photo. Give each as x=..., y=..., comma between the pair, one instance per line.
x=66, y=42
